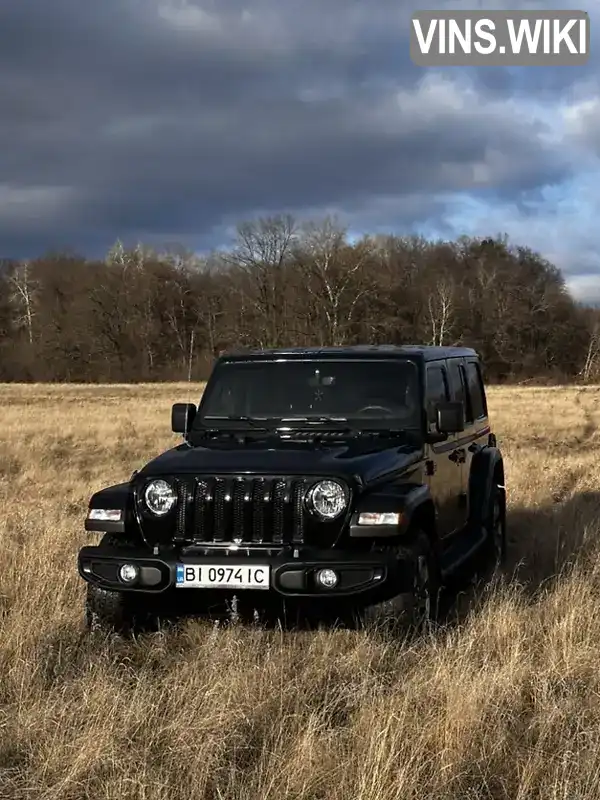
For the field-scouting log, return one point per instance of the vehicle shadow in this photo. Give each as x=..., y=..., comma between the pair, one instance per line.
x=543, y=544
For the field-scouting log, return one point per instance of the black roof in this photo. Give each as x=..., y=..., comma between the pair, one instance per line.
x=422, y=352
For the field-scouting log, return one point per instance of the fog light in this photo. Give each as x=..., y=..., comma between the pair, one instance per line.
x=128, y=573
x=327, y=578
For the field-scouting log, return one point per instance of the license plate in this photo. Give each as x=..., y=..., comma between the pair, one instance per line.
x=222, y=576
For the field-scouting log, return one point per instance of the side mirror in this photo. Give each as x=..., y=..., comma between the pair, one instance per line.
x=182, y=417
x=450, y=417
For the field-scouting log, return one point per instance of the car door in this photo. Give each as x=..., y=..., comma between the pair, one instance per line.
x=466, y=384
x=443, y=470
x=458, y=392
x=477, y=426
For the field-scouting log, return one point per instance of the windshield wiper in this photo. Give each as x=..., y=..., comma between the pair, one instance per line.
x=339, y=422
x=253, y=421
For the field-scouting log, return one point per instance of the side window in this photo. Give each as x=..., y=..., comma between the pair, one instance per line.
x=476, y=390
x=469, y=418
x=460, y=391
x=457, y=380
x=437, y=389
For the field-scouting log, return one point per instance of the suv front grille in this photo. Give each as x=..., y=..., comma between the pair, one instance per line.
x=238, y=509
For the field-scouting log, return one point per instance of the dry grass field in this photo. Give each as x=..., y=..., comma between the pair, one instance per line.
x=502, y=702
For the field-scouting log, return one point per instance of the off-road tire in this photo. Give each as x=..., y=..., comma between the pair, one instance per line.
x=111, y=611
x=413, y=611
x=494, y=549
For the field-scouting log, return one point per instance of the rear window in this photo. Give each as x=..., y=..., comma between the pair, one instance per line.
x=437, y=389
x=476, y=390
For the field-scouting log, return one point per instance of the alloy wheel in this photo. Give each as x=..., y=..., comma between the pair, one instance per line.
x=497, y=534
x=422, y=591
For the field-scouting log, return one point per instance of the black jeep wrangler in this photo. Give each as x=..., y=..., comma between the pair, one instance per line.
x=348, y=480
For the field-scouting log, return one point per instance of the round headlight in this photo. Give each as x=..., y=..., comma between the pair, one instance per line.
x=160, y=497
x=328, y=499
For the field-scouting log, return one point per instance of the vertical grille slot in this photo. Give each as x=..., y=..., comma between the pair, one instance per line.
x=201, y=510
x=219, y=511
x=299, y=492
x=259, y=490
x=278, y=503
x=239, y=492
x=184, y=495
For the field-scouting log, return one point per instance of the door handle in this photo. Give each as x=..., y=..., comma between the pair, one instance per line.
x=458, y=456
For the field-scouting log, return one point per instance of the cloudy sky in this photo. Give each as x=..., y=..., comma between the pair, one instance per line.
x=172, y=120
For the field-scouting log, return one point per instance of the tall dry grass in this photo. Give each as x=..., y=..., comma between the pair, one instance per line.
x=502, y=702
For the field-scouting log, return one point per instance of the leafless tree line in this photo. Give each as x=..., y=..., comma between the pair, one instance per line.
x=145, y=315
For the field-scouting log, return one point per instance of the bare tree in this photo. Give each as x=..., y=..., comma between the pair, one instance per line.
x=441, y=312
x=591, y=363
x=262, y=252
x=335, y=279
x=23, y=296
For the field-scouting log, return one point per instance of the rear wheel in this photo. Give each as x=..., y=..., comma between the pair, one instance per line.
x=495, y=528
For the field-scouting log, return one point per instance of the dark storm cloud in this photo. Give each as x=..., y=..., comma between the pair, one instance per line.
x=170, y=120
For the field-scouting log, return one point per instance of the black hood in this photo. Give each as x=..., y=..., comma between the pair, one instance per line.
x=368, y=462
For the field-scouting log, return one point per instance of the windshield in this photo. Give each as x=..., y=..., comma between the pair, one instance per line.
x=367, y=394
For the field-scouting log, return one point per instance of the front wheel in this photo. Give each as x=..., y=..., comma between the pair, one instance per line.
x=110, y=610
x=422, y=605
x=114, y=612
x=416, y=608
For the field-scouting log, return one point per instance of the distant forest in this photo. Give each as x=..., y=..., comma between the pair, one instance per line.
x=144, y=315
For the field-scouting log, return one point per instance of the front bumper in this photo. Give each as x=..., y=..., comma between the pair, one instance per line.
x=368, y=577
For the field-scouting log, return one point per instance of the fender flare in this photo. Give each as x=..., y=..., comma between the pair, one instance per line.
x=484, y=464
x=117, y=496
